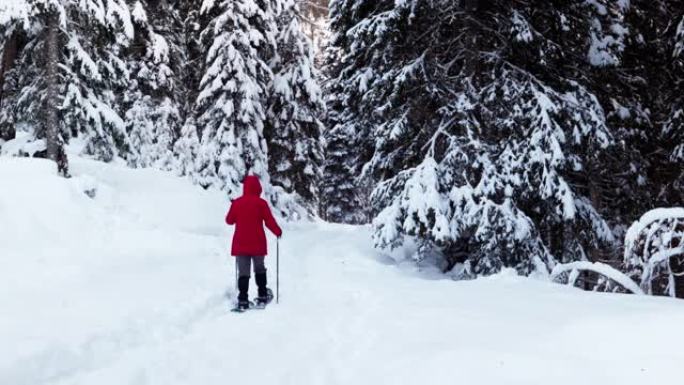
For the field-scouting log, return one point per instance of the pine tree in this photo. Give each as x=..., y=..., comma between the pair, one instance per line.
x=186, y=147
x=293, y=129
x=188, y=38
x=482, y=125
x=239, y=41
x=673, y=127
x=348, y=137
x=152, y=101
x=9, y=45
x=68, y=73
x=314, y=15
x=637, y=96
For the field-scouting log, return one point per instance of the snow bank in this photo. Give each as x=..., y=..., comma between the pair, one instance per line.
x=38, y=209
x=41, y=212
x=24, y=144
x=99, y=257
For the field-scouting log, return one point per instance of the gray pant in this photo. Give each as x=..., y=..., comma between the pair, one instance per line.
x=244, y=263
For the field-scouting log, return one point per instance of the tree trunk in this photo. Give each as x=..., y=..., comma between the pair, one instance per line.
x=55, y=149
x=594, y=254
x=677, y=261
x=9, y=54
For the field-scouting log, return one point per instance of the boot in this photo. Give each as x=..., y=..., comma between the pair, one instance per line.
x=243, y=296
x=265, y=294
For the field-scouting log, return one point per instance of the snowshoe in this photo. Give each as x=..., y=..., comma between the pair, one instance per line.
x=242, y=306
x=262, y=301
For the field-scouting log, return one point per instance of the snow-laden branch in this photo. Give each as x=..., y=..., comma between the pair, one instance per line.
x=679, y=40
x=599, y=268
x=651, y=244
x=648, y=219
x=665, y=255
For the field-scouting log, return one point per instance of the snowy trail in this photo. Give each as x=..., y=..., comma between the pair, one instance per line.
x=132, y=292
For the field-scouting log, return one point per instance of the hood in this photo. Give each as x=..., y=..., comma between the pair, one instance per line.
x=251, y=186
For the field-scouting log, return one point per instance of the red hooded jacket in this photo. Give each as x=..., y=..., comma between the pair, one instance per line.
x=249, y=213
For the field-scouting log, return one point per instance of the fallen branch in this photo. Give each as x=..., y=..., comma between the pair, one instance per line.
x=599, y=268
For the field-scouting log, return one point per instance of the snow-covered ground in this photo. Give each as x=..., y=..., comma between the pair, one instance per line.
x=131, y=286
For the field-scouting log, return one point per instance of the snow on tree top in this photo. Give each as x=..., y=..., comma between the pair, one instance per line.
x=139, y=15
x=12, y=10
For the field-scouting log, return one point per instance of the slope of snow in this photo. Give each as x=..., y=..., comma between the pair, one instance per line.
x=131, y=287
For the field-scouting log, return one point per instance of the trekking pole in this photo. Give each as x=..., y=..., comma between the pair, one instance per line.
x=277, y=270
x=236, y=275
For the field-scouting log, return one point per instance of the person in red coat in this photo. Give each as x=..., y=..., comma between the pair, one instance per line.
x=249, y=213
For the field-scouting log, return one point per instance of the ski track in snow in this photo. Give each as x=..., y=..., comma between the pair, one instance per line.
x=142, y=294
x=57, y=363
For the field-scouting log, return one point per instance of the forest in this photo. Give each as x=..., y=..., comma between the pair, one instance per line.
x=327, y=192
x=483, y=135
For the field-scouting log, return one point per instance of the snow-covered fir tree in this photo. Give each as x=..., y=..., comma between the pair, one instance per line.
x=314, y=17
x=186, y=148
x=293, y=129
x=238, y=40
x=68, y=72
x=481, y=126
x=152, y=101
x=348, y=140
x=641, y=97
x=187, y=37
x=8, y=46
x=673, y=127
